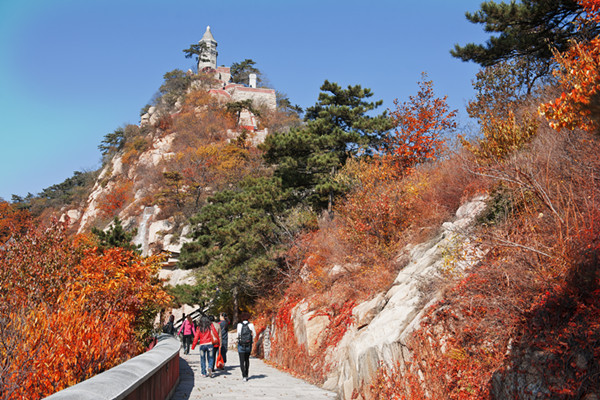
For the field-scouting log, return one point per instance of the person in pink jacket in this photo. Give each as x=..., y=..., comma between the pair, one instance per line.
x=203, y=338
x=189, y=331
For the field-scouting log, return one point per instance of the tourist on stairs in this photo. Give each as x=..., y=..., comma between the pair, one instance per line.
x=204, y=340
x=246, y=335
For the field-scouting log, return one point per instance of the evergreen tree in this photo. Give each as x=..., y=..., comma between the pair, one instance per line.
x=112, y=142
x=528, y=31
x=236, y=237
x=337, y=127
x=240, y=72
x=196, y=50
x=116, y=236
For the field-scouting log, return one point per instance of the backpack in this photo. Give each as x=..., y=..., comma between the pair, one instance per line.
x=245, y=338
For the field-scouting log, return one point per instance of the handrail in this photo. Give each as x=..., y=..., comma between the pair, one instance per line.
x=194, y=314
x=153, y=375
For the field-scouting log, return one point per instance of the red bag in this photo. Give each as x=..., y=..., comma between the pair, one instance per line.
x=219, y=364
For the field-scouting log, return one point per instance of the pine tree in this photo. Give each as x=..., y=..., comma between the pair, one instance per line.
x=529, y=31
x=337, y=127
x=116, y=236
x=236, y=238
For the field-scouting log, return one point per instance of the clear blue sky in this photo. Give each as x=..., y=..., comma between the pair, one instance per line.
x=72, y=71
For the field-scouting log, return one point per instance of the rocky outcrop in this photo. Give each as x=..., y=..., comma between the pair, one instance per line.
x=383, y=324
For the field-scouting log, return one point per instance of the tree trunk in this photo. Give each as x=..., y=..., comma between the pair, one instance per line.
x=234, y=317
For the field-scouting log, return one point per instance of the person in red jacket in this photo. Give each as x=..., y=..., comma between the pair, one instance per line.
x=203, y=338
x=189, y=331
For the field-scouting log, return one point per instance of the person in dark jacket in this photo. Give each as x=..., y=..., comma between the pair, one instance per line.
x=245, y=347
x=224, y=322
x=170, y=325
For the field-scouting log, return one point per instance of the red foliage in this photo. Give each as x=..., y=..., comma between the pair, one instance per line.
x=420, y=124
x=115, y=199
x=69, y=311
x=12, y=221
x=579, y=76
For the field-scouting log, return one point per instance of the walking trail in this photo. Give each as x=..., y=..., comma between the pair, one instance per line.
x=264, y=382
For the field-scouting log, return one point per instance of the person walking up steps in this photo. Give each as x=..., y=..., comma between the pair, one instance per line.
x=204, y=340
x=189, y=331
x=224, y=322
x=245, y=335
x=215, y=345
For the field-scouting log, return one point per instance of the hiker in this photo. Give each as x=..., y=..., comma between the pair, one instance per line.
x=224, y=322
x=204, y=340
x=170, y=325
x=189, y=331
x=245, y=335
x=216, y=345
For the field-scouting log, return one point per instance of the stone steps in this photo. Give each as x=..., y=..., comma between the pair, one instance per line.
x=264, y=382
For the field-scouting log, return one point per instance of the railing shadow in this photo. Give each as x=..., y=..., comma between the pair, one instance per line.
x=186, y=380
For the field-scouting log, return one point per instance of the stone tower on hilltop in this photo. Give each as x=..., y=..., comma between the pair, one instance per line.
x=208, y=55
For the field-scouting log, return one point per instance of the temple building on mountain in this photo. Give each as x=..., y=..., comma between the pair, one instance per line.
x=230, y=92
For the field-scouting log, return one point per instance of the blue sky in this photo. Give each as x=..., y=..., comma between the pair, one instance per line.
x=72, y=71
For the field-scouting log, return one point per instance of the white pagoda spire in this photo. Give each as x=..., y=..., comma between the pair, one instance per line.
x=208, y=56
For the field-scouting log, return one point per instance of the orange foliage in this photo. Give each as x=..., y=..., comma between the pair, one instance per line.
x=12, y=221
x=69, y=311
x=114, y=200
x=203, y=119
x=529, y=312
x=579, y=76
x=374, y=212
x=420, y=124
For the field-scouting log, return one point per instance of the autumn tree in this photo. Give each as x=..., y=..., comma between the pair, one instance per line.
x=419, y=127
x=70, y=311
x=499, y=89
x=579, y=80
x=13, y=221
x=283, y=118
x=203, y=119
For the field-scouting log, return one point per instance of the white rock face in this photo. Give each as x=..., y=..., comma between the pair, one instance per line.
x=73, y=216
x=160, y=151
x=158, y=227
x=383, y=323
x=175, y=247
x=176, y=277
x=309, y=327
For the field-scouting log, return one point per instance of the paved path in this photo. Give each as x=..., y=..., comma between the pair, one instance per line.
x=264, y=382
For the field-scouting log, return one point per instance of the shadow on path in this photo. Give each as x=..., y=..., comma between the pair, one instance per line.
x=261, y=376
x=186, y=380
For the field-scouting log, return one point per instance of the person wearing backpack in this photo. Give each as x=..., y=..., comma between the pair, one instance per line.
x=245, y=335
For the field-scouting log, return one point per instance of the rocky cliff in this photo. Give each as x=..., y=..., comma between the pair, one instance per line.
x=378, y=334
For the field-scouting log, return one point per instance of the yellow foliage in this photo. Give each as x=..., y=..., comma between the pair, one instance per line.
x=502, y=136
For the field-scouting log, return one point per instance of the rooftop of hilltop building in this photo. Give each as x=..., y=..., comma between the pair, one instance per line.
x=207, y=63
